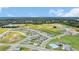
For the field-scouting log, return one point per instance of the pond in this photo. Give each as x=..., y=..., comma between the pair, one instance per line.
x=54, y=45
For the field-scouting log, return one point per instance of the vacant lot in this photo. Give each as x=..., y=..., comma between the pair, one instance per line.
x=12, y=37
x=2, y=30
x=49, y=28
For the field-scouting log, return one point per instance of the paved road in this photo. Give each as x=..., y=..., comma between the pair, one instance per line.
x=51, y=38
x=15, y=47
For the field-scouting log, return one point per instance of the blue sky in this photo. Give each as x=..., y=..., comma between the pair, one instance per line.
x=39, y=12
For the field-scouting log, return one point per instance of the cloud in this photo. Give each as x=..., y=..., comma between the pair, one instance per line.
x=34, y=16
x=73, y=13
x=61, y=13
x=1, y=9
x=10, y=15
x=56, y=12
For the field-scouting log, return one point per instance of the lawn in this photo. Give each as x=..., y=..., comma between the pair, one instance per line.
x=24, y=49
x=73, y=41
x=32, y=41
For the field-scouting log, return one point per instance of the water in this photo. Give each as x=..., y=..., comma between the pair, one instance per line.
x=54, y=45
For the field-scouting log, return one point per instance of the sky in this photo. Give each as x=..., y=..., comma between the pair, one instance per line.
x=39, y=12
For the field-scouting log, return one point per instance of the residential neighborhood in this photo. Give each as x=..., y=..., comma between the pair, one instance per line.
x=38, y=37
x=39, y=29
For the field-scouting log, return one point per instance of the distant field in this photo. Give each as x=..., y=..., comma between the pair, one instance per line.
x=71, y=40
x=49, y=28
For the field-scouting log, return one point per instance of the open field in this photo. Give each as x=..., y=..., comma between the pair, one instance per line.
x=12, y=37
x=2, y=30
x=49, y=28
x=73, y=41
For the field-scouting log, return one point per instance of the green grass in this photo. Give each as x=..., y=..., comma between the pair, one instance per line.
x=32, y=41
x=3, y=48
x=77, y=29
x=71, y=40
x=10, y=36
x=24, y=49
x=45, y=27
x=2, y=30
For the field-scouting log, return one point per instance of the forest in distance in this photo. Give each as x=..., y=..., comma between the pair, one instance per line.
x=71, y=21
